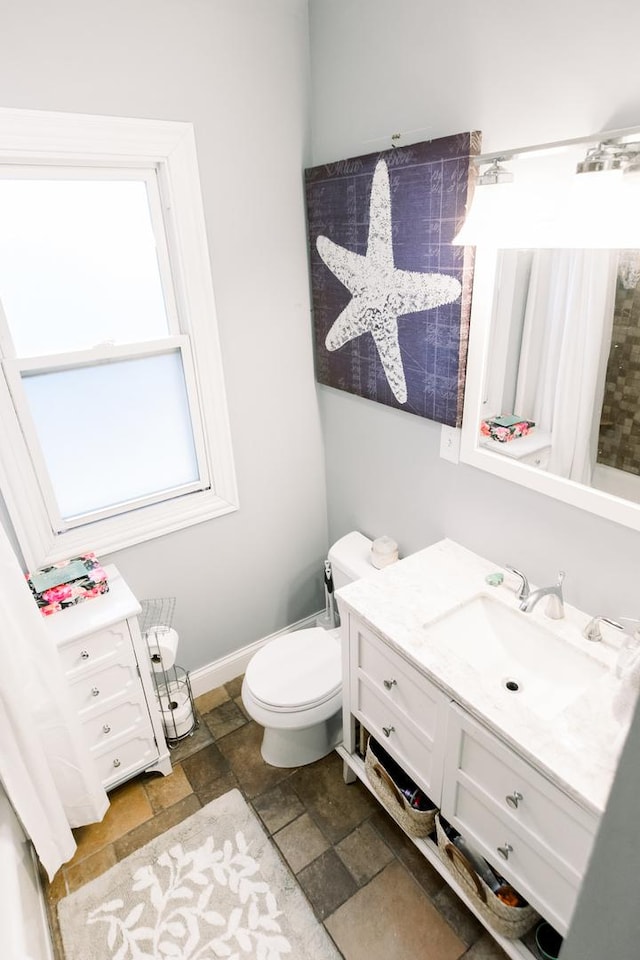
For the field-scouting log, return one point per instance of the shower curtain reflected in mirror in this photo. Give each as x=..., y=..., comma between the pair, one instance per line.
x=566, y=336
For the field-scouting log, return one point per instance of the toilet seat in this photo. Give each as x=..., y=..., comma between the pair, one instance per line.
x=296, y=672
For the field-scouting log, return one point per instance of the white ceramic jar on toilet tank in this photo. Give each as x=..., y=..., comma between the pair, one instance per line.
x=293, y=685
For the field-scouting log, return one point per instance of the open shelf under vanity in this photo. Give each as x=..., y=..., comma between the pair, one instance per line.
x=515, y=949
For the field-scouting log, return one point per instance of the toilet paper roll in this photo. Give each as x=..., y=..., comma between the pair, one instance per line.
x=163, y=646
x=177, y=710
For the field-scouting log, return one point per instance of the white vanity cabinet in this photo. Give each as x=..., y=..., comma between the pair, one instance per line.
x=107, y=667
x=401, y=708
x=535, y=835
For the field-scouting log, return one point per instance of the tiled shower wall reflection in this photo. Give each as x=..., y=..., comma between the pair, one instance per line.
x=619, y=441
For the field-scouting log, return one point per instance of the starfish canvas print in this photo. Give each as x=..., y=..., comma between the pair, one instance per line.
x=391, y=295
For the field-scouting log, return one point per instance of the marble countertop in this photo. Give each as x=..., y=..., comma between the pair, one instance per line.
x=578, y=745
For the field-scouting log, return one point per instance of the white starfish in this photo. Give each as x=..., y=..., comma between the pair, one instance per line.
x=381, y=293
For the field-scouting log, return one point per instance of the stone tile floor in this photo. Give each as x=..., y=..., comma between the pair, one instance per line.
x=377, y=896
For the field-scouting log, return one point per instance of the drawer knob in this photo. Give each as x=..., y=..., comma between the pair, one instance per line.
x=513, y=799
x=388, y=731
x=116, y=762
x=106, y=728
x=505, y=851
x=84, y=654
x=95, y=692
x=389, y=683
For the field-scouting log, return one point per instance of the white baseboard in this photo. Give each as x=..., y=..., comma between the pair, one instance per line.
x=227, y=668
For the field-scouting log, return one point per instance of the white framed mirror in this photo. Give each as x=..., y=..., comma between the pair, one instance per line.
x=555, y=337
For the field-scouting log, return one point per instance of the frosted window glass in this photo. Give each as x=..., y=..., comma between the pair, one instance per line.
x=114, y=432
x=78, y=264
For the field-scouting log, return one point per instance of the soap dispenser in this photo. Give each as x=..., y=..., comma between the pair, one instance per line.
x=628, y=672
x=629, y=652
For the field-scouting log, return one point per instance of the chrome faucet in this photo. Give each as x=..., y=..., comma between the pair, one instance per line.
x=525, y=589
x=555, y=607
x=528, y=600
x=592, y=630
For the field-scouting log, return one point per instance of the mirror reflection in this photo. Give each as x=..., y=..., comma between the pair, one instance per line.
x=562, y=382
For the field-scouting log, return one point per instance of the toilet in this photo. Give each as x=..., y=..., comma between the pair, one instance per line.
x=293, y=685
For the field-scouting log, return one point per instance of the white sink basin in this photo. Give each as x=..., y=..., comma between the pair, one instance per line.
x=529, y=665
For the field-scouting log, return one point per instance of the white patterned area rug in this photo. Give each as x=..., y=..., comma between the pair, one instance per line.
x=212, y=886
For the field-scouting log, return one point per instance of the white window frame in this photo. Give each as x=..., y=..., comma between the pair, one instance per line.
x=64, y=142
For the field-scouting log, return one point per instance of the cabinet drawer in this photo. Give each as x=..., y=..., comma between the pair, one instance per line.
x=551, y=887
x=417, y=754
x=93, y=692
x=111, y=645
x=524, y=800
x=126, y=759
x=396, y=683
x=118, y=721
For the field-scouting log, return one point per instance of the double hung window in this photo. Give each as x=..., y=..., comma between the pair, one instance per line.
x=112, y=402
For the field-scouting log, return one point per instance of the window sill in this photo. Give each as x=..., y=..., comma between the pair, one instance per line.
x=127, y=530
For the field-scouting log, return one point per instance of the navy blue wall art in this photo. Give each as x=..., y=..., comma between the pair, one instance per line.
x=391, y=295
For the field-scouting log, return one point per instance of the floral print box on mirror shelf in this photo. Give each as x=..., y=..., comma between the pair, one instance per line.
x=505, y=428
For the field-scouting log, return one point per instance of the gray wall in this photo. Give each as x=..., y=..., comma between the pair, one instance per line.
x=521, y=73
x=239, y=71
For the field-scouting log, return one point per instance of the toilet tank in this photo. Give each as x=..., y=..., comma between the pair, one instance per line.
x=350, y=558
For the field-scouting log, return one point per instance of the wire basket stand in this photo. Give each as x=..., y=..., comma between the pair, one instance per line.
x=171, y=682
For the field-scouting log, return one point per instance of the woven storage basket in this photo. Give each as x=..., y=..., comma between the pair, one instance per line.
x=419, y=823
x=511, y=922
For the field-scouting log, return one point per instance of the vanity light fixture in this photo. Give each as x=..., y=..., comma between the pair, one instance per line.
x=565, y=198
x=505, y=211
x=490, y=205
x=611, y=155
x=495, y=173
x=604, y=156
x=603, y=206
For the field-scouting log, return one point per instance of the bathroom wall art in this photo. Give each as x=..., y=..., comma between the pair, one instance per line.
x=391, y=295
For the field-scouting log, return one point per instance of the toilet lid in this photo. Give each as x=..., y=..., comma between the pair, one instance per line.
x=296, y=671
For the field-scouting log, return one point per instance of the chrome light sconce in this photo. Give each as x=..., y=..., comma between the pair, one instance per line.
x=612, y=155
x=495, y=173
x=602, y=157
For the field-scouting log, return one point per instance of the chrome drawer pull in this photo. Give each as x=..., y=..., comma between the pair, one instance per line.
x=95, y=692
x=390, y=683
x=116, y=762
x=513, y=799
x=84, y=654
x=106, y=728
x=505, y=851
x=388, y=731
